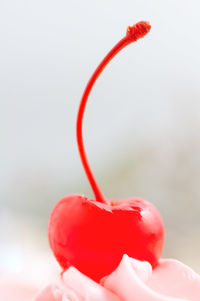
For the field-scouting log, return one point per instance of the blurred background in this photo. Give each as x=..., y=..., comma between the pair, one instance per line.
x=141, y=127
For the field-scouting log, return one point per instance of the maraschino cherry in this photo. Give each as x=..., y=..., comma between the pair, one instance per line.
x=92, y=235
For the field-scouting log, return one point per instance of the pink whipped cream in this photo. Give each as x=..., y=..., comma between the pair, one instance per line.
x=133, y=280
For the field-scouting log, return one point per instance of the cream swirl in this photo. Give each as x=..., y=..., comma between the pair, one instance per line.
x=133, y=280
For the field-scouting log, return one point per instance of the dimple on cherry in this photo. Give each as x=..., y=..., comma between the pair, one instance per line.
x=93, y=235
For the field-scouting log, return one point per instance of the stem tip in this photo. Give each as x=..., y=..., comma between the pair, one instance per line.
x=137, y=31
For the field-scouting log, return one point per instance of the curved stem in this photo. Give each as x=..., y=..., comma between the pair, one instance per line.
x=134, y=33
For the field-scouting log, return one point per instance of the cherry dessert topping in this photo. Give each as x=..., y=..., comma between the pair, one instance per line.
x=93, y=235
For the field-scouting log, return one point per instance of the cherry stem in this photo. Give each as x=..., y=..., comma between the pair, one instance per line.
x=139, y=30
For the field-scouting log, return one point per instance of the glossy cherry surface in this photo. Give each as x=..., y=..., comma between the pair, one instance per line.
x=93, y=235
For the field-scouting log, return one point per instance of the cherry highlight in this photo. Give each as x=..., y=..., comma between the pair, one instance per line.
x=139, y=30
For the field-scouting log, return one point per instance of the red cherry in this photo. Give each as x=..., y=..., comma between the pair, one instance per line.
x=93, y=235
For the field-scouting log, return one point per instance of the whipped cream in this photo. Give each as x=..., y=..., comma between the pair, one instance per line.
x=133, y=280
